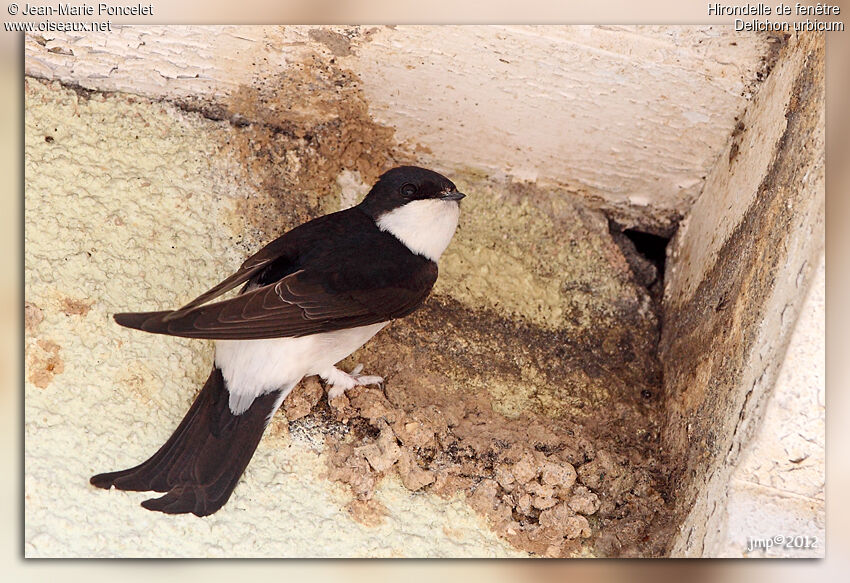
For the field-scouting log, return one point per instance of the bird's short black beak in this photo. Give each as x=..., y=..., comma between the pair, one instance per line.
x=453, y=195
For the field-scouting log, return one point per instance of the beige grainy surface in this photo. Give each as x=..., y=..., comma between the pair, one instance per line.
x=96, y=236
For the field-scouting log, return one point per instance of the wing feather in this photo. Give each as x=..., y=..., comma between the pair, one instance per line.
x=337, y=271
x=295, y=306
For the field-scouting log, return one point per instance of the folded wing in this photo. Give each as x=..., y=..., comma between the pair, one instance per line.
x=301, y=303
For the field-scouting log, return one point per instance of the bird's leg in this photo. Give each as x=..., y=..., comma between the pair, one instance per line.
x=341, y=381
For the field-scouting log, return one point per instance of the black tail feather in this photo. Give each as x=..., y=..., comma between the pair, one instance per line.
x=201, y=463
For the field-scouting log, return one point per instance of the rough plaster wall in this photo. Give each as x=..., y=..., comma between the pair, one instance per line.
x=194, y=72
x=629, y=117
x=111, y=192
x=544, y=413
x=504, y=413
x=778, y=488
x=739, y=267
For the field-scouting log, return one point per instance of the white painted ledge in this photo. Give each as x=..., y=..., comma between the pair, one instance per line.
x=631, y=117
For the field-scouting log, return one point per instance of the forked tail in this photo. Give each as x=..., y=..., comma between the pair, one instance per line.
x=202, y=461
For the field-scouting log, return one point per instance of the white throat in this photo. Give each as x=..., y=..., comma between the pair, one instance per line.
x=424, y=226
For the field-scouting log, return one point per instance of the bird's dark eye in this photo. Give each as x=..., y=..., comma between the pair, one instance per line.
x=408, y=189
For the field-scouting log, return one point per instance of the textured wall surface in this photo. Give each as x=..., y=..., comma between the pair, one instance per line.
x=739, y=269
x=538, y=428
x=537, y=437
x=113, y=196
x=629, y=117
x=778, y=488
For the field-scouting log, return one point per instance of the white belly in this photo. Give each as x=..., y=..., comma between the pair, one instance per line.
x=254, y=367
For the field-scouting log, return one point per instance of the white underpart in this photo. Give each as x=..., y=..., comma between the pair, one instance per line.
x=278, y=402
x=424, y=226
x=255, y=367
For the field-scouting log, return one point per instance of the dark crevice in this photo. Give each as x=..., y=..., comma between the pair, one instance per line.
x=652, y=247
x=646, y=254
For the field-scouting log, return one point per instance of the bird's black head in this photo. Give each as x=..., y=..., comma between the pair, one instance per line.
x=404, y=184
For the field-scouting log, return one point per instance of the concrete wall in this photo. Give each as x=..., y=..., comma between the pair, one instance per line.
x=219, y=137
x=629, y=117
x=778, y=487
x=132, y=204
x=739, y=269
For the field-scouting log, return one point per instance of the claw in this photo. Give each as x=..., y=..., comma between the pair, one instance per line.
x=341, y=381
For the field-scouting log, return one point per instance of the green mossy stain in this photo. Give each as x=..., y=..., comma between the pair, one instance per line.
x=534, y=254
x=577, y=331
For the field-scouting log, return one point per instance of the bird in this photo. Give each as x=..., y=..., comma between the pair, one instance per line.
x=309, y=299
